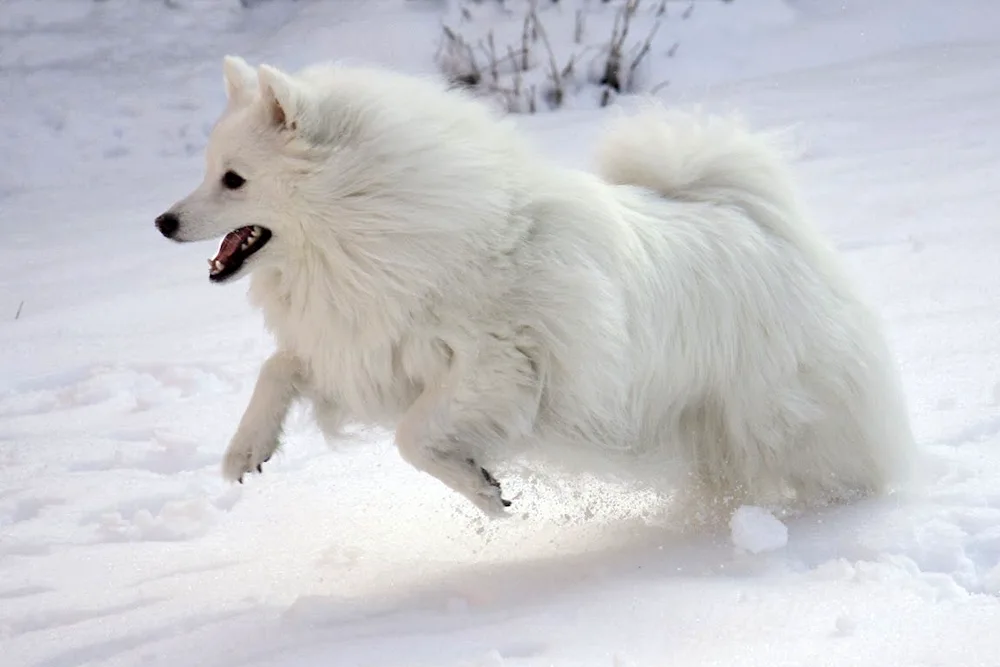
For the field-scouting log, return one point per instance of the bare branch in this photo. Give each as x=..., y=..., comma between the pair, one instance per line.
x=558, y=92
x=642, y=54
x=578, y=27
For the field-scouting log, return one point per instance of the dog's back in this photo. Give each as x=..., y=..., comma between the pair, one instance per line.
x=753, y=355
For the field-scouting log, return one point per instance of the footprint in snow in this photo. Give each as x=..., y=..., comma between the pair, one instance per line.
x=130, y=387
x=149, y=450
x=162, y=519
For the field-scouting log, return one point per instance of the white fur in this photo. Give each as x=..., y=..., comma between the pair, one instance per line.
x=675, y=319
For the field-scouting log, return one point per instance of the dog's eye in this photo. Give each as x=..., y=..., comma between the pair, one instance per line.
x=232, y=180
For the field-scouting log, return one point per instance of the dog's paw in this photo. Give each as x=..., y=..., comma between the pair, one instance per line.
x=244, y=457
x=488, y=497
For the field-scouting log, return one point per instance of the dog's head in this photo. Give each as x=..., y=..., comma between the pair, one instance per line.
x=256, y=165
x=357, y=165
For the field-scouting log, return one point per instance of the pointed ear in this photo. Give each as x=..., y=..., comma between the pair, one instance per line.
x=239, y=78
x=279, y=94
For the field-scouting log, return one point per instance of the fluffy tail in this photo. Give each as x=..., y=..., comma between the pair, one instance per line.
x=689, y=157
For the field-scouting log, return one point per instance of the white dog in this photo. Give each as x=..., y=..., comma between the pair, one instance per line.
x=423, y=270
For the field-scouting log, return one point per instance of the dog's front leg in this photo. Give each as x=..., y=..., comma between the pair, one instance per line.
x=482, y=407
x=257, y=436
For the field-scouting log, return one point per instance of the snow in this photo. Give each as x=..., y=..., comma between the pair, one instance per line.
x=755, y=529
x=125, y=372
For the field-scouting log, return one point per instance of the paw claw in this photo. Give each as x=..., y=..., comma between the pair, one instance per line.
x=242, y=458
x=494, y=495
x=490, y=479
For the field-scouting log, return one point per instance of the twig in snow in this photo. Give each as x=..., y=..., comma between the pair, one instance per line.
x=658, y=87
x=558, y=93
x=578, y=27
x=642, y=53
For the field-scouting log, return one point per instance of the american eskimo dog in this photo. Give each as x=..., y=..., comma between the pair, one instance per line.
x=672, y=317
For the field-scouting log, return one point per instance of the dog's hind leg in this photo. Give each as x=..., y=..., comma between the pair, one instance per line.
x=450, y=429
x=257, y=436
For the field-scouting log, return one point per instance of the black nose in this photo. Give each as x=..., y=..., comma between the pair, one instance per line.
x=168, y=224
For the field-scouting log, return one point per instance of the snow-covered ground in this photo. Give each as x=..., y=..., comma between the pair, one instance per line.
x=123, y=372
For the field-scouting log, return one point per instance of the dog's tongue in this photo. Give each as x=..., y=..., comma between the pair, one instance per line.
x=231, y=243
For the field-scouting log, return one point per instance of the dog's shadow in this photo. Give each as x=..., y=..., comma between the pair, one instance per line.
x=531, y=568
x=582, y=560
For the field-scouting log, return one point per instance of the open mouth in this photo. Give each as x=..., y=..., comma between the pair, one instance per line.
x=237, y=247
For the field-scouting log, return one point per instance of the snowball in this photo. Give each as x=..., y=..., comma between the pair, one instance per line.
x=845, y=626
x=754, y=529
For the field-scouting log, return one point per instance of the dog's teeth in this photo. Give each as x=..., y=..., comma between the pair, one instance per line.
x=255, y=232
x=217, y=265
x=245, y=246
x=211, y=263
